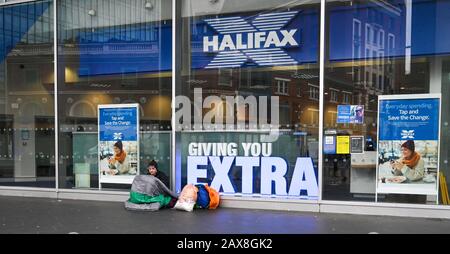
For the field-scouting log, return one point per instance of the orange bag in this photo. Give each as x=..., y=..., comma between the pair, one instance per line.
x=214, y=198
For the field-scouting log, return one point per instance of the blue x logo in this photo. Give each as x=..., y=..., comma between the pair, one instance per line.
x=265, y=41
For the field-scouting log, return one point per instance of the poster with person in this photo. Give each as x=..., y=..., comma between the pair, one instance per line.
x=118, y=146
x=350, y=114
x=408, y=144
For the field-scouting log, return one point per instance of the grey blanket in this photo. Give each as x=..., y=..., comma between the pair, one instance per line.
x=151, y=186
x=153, y=207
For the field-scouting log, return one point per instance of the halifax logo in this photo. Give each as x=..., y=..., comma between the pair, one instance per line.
x=261, y=41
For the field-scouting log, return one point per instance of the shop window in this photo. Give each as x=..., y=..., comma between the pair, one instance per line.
x=27, y=123
x=126, y=60
x=269, y=79
x=394, y=78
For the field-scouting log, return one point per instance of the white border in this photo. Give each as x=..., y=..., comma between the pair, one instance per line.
x=410, y=97
x=118, y=180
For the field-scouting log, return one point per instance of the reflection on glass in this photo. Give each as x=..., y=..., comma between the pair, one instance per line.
x=393, y=47
x=112, y=52
x=27, y=156
x=249, y=75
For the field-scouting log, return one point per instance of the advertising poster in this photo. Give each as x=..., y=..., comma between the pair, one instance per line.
x=329, y=146
x=118, y=145
x=350, y=114
x=408, y=145
x=343, y=145
x=357, y=144
x=233, y=166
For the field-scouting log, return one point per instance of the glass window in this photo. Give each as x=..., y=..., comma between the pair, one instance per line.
x=406, y=59
x=314, y=92
x=282, y=86
x=113, y=52
x=334, y=95
x=27, y=122
x=225, y=77
x=299, y=91
x=357, y=38
x=381, y=38
x=271, y=48
x=346, y=97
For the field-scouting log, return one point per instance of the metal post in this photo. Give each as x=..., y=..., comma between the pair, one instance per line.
x=174, y=82
x=55, y=91
x=322, y=93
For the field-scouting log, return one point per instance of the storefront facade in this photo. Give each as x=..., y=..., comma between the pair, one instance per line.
x=330, y=106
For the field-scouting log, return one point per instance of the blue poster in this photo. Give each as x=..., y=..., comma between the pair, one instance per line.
x=118, y=124
x=118, y=147
x=415, y=119
x=329, y=146
x=350, y=114
x=408, y=145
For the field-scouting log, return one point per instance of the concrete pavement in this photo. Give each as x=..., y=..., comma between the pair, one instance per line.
x=19, y=215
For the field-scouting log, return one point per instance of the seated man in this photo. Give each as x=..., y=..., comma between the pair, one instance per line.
x=150, y=192
x=153, y=170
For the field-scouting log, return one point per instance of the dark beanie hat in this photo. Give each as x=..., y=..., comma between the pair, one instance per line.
x=119, y=145
x=409, y=145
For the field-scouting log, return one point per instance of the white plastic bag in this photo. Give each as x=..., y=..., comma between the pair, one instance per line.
x=187, y=199
x=187, y=206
